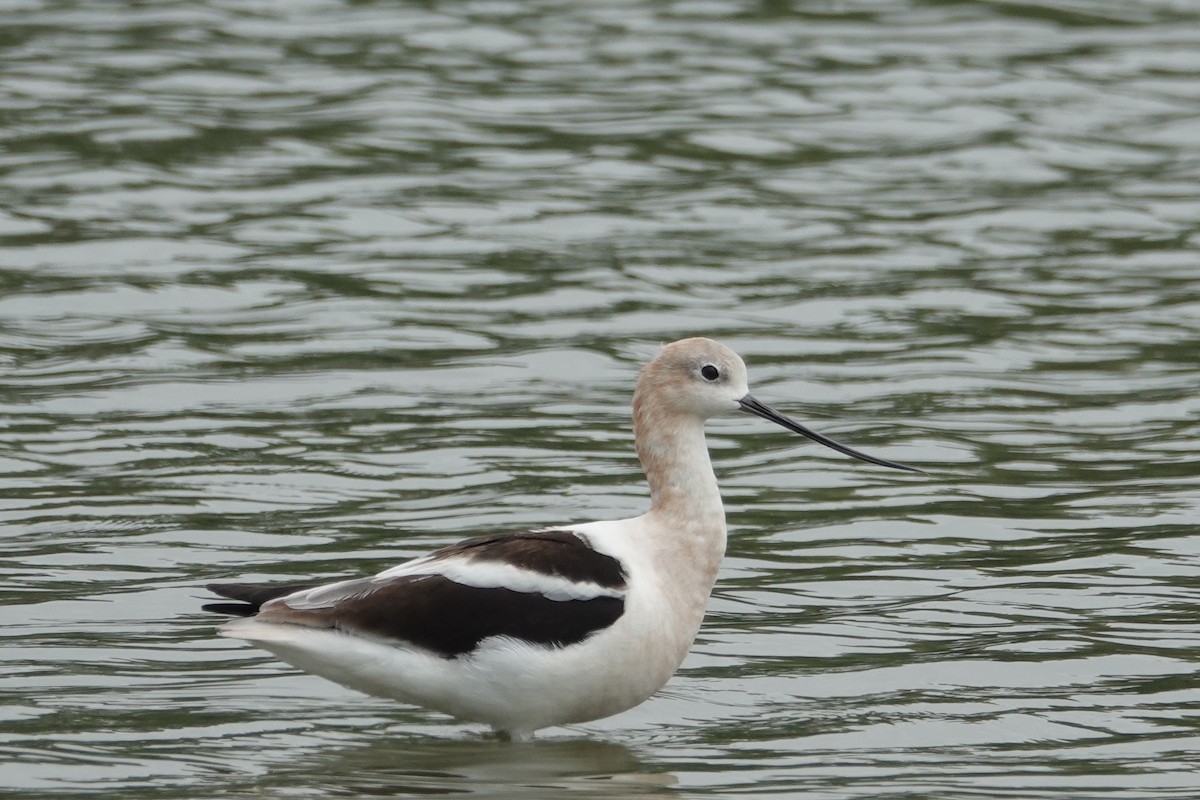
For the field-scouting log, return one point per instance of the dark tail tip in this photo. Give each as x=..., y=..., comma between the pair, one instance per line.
x=230, y=609
x=250, y=596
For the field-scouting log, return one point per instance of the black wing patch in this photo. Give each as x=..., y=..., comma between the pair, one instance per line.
x=436, y=613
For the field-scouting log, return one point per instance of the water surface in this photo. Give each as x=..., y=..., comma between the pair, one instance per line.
x=299, y=290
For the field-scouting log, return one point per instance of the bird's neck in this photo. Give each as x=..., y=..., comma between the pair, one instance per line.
x=674, y=456
x=686, y=517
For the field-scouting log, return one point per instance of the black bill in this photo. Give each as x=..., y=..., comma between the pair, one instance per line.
x=752, y=406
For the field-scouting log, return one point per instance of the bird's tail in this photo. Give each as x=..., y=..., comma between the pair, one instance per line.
x=250, y=596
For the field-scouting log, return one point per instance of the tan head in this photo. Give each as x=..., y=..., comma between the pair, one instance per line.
x=700, y=378
x=697, y=377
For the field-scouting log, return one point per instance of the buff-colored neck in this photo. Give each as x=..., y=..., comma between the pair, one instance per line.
x=686, y=520
x=674, y=455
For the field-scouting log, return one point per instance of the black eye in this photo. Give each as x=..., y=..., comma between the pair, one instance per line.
x=710, y=372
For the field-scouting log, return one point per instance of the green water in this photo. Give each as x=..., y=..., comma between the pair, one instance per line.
x=296, y=290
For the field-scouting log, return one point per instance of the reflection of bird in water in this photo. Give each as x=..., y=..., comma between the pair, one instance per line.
x=552, y=769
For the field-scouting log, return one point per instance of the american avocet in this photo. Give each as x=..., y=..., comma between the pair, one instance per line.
x=548, y=627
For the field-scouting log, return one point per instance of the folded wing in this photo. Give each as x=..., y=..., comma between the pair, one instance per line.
x=546, y=588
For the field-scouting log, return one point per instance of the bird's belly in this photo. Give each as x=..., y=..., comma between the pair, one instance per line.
x=510, y=684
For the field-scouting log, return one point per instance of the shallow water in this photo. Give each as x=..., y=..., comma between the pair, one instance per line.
x=295, y=290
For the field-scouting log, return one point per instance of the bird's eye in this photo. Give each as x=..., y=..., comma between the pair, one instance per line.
x=710, y=372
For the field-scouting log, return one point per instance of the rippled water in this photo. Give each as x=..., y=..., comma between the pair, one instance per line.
x=301, y=289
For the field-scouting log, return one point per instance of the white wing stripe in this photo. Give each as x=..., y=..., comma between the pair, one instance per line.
x=476, y=573
x=482, y=574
